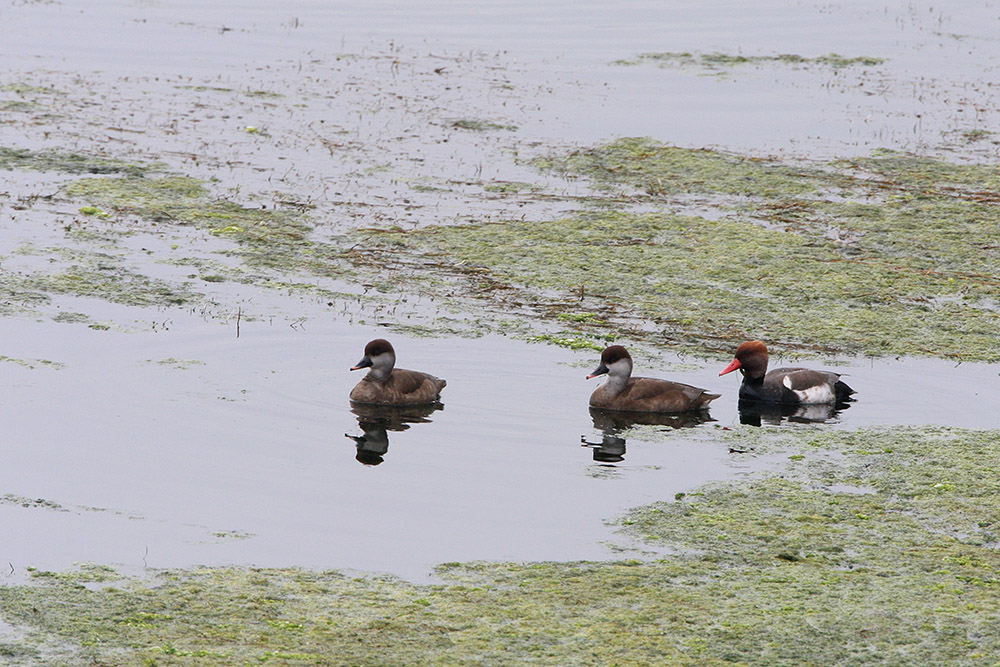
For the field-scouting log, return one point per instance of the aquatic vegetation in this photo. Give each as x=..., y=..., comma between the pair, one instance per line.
x=66, y=162
x=21, y=88
x=510, y=187
x=971, y=136
x=32, y=363
x=18, y=106
x=891, y=247
x=867, y=547
x=113, y=282
x=93, y=210
x=71, y=318
x=205, y=89
x=481, y=125
x=718, y=60
x=179, y=364
x=586, y=318
x=881, y=255
x=275, y=237
x=41, y=503
x=659, y=169
x=568, y=341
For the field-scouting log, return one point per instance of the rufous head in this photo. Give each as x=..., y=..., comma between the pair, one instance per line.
x=751, y=359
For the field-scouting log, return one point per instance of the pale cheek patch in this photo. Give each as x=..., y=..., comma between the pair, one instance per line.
x=821, y=393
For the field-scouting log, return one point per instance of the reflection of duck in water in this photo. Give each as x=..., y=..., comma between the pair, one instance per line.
x=753, y=413
x=624, y=393
x=387, y=385
x=794, y=386
x=377, y=420
x=612, y=424
x=620, y=421
x=611, y=448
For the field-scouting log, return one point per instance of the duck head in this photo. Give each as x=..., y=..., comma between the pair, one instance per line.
x=380, y=357
x=751, y=360
x=616, y=362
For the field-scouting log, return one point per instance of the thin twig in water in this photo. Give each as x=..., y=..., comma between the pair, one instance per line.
x=239, y=315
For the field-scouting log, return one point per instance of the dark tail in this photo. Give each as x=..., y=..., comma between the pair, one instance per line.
x=842, y=391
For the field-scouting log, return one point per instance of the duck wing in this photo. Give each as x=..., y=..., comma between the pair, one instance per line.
x=654, y=395
x=414, y=386
x=807, y=386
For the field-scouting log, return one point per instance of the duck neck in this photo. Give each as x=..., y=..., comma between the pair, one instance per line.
x=381, y=370
x=616, y=383
x=618, y=376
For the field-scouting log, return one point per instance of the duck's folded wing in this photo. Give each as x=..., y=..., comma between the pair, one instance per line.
x=665, y=395
x=810, y=386
x=406, y=383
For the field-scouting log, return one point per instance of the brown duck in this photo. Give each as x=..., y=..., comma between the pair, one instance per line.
x=386, y=385
x=628, y=394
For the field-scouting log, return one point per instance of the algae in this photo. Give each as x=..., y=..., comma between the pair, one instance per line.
x=481, y=125
x=111, y=281
x=972, y=136
x=18, y=106
x=88, y=273
x=889, y=254
x=273, y=242
x=275, y=238
x=33, y=363
x=782, y=567
x=66, y=162
x=510, y=187
x=655, y=168
x=719, y=60
x=22, y=89
x=71, y=318
x=93, y=210
x=179, y=364
x=33, y=503
x=568, y=341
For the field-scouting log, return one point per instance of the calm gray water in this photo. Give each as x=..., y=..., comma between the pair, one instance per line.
x=191, y=446
x=940, y=59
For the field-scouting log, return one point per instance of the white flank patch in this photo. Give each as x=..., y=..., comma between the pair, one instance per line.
x=821, y=393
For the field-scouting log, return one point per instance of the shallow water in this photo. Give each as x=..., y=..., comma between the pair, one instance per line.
x=191, y=446
x=252, y=441
x=178, y=443
x=939, y=57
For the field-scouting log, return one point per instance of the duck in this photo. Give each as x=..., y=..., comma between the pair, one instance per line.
x=797, y=386
x=387, y=385
x=625, y=393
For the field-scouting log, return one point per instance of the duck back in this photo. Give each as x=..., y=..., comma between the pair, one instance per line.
x=797, y=385
x=402, y=387
x=651, y=395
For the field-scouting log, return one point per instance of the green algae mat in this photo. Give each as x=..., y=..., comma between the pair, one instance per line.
x=888, y=255
x=694, y=249
x=867, y=547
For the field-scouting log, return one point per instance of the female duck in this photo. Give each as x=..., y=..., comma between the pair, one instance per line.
x=385, y=385
x=784, y=385
x=628, y=394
